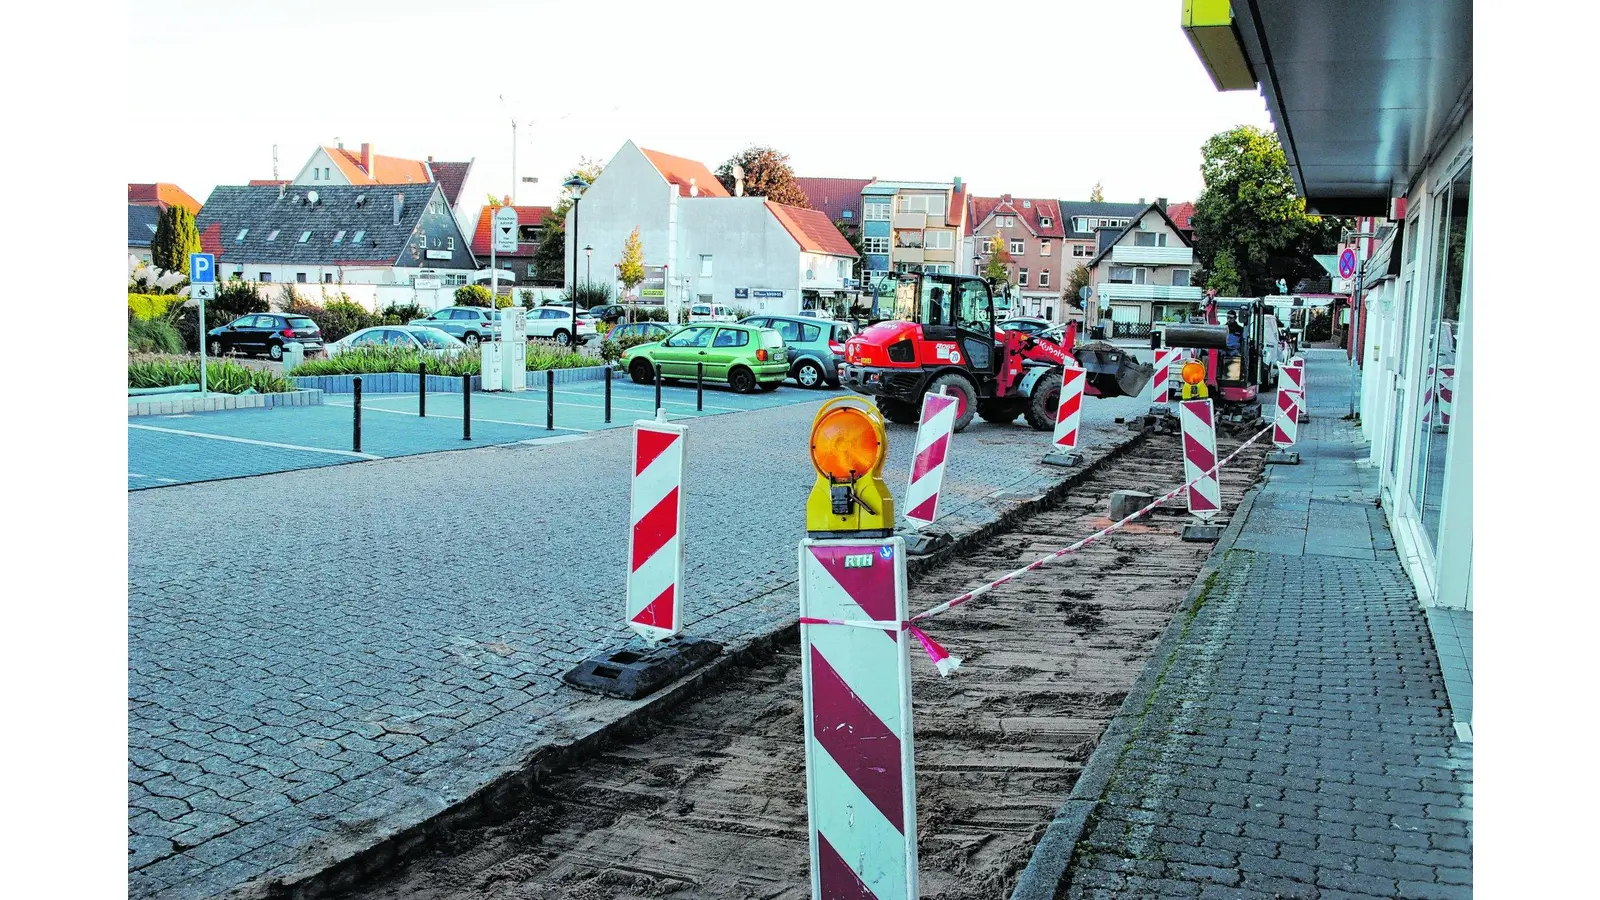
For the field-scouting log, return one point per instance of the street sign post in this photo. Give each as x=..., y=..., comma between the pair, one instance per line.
x=1347, y=263
x=505, y=241
x=202, y=287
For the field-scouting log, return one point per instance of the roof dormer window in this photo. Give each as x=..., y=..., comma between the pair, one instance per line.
x=242, y=233
x=358, y=236
x=339, y=237
x=305, y=236
x=1027, y=204
x=273, y=235
x=1044, y=221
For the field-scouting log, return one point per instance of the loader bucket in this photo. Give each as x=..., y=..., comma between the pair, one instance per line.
x=1113, y=371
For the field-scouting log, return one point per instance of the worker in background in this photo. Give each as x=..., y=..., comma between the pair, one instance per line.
x=1235, y=334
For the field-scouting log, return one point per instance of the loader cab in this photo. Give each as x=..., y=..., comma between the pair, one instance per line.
x=952, y=309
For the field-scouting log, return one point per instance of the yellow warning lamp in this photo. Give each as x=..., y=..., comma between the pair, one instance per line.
x=848, y=446
x=1193, y=373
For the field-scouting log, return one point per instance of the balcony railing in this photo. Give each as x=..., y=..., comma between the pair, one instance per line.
x=1109, y=292
x=908, y=254
x=916, y=220
x=1152, y=256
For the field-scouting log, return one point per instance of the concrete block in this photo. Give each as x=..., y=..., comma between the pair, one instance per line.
x=1062, y=458
x=1283, y=457
x=1203, y=532
x=1126, y=503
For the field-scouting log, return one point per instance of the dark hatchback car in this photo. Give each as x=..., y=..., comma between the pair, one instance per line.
x=612, y=312
x=264, y=333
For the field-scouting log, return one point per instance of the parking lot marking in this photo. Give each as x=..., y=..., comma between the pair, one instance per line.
x=401, y=412
x=152, y=477
x=664, y=401
x=240, y=440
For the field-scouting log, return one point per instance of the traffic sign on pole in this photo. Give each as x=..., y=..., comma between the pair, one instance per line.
x=505, y=229
x=202, y=268
x=1347, y=263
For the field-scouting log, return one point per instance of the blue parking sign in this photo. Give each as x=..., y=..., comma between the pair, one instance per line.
x=202, y=268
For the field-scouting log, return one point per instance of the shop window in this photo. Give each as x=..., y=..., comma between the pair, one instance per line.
x=1437, y=368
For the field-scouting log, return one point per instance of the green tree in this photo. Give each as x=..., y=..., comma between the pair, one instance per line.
x=550, y=257
x=998, y=269
x=766, y=174
x=1249, y=208
x=1097, y=195
x=1078, y=279
x=176, y=238
x=474, y=295
x=1223, y=275
x=630, y=270
x=852, y=233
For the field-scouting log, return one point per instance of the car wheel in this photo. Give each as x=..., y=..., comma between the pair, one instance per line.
x=962, y=390
x=742, y=380
x=641, y=371
x=808, y=374
x=770, y=386
x=275, y=350
x=563, y=337
x=215, y=347
x=471, y=340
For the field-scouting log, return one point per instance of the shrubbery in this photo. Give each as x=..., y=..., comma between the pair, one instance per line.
x=611, y=351
x=375, y=360
x=336, y=320
x=590, y=293
x=222, y=376
x=152, y=335
x=474, y=295
x=234, y=299
x=401, y=313
x=151, y=306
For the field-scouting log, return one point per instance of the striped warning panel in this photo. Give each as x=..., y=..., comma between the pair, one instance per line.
x=1070, y=410
x=655, y=540
x=1166, y=357
x=927, y=465
x=1200, y=457
x=1286, y=426
x=860, y=784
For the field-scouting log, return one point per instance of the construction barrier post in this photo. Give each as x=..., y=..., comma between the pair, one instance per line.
x=926, y=481
x=1295, y=375
x=1069, y=413
x=466, y=407
x=655, y=542
x=356, y=441
x=422, y=390
x=1161, y=396
x=549, y=399
x=861, y=789
x=699, y=387
x=1285, y=429
x=1199, y=426
x=608, y=395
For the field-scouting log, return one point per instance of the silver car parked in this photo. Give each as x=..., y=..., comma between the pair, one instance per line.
x=816, y=346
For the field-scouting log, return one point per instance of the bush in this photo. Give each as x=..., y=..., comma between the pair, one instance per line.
x=151, y=306
x=401, y=313
x=234, y=299
x=611, y=351
x=338, y=319
x=152, y=336
x=375, y=360
x=590, y=293
x=527, y=298
x=473, y=295
x=1320, y=328
x=223, y=376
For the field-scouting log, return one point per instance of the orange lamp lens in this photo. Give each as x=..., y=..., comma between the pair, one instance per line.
x=844, y=445
x=1193, y=372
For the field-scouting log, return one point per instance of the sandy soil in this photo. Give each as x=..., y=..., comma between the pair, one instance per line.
x=710, y=803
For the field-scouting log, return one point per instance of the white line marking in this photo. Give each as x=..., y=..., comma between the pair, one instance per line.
x=644, y=394
x=153, y=477
x=401, y=412
x=240, y=440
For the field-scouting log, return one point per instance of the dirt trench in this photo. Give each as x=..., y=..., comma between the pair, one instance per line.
x=710, y=801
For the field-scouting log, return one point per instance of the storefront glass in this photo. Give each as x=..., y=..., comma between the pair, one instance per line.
x=1438, y=362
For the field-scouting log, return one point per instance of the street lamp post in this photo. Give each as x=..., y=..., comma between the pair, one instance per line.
x=576, y=185
x=588, y=263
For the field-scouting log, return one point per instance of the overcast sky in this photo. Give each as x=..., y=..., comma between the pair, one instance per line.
x=1034, y=99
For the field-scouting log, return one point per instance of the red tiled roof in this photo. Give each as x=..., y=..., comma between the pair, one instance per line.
x=211, y=240
x=526, y=215
x=451, y=176
x=1031, y=214
x=832, y=196
x=1180, y=214
x=162, y=194
x=386, y=169
x=812, y=230
x=679, y=171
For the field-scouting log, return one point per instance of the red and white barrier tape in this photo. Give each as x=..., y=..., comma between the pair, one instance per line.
x=942, y=659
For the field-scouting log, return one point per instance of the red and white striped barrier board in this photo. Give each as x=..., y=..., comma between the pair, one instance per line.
x=1440, y=382
x=655, y=543
x=927, y=465
x=1070, y=411
x=1292, y=376
x=1166, y=358
x=1200, y=457
x=861, y=790
x=1286, y=427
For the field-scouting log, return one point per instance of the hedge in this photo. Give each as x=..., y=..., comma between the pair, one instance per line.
x=222, y=376
x=374, y=360
x=150, y=306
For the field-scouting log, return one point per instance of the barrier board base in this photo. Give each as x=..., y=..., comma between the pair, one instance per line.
x=638, y=671
x=1283, y=457
x=921, y=543
x=1065, y=459
x=1204, y=532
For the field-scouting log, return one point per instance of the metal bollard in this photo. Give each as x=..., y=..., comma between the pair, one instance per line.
x=466, y=407
x=549, y=399
x=608, y=395
x=355, y=444
x=658, y=386
x=699, y=387
x=422, y=390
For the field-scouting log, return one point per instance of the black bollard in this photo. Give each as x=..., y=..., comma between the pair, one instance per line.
x=355, y=444
x=549, y=399
x=699, y=387
x=466, y=407
x=422, y=390
x=608, y=395
x=658, y=387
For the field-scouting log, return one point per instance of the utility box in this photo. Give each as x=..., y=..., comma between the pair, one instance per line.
x=489, y=378
x=513, y=341
x=294, y=353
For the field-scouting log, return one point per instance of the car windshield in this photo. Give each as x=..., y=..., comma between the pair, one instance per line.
x=434, y=339
x=299, y=322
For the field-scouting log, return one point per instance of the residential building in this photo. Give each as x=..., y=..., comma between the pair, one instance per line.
x=141, y=228
x=519, y=262
x=352, y=234
x=1142, y=274
x=913, y=226
x=1415, y=297
x=336, y=165
x=1034, y=235
x=837, y=198
x=1182, y=215
x=741, y=252
x=161, y=195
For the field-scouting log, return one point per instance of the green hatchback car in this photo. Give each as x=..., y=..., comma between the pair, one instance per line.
x=744, y=356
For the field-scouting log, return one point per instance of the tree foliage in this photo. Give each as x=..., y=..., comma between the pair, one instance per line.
x=766, y=174
x=852, y=233
x=998, y=269
x=630, y=270
x=1223, y=276
x=1076, y=280
x=1097, y=195
x=550, y=257
x=175, y=238
x=1250, y=210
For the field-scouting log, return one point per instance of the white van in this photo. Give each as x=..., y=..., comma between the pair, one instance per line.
x=706, y=312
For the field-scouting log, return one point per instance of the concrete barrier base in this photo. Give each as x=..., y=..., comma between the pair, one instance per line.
x=1062, y=458
x=1203, y=532
x=1283, y=457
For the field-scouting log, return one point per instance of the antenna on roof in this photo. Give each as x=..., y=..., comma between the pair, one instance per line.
x=274, y=162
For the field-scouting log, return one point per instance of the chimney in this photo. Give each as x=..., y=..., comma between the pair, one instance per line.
x=366, y=159
x=283, y=188
x=694, y=189
x=399, y=204
x=1141, y=200
x=958, y=182
x=1005, y=198
x=1162, y=202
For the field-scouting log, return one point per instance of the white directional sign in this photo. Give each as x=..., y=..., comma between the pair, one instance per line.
x=505, y=230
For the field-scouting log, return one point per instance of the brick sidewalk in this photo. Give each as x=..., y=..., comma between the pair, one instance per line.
x=1297, y=741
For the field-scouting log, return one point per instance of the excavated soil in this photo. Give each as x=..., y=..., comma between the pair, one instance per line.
x=710, y=802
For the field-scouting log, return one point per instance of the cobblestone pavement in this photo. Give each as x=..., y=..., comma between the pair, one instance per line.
x=1299, y=741
x=320, y=657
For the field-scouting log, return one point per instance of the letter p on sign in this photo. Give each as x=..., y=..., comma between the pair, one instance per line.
x=202, y=268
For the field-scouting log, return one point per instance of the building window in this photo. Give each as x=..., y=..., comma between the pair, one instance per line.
x=1044, y=278
x=1022, y=278
x=1105, y=223
x=847, y=214
x=1044, y=221
x=305, y=236
x=988, y=245
x=1144, y=238
x=932, y=204
x=1180, y=277
x=1027, y=204
x=265, y=276
x=875, y=244
x=300, y=277
x=705, y=265
x=273, y=235
x=339, y=237
x=531, y=271
x=1121, y=275
x=875, y=210
x=242, y=233
x=327, y=278
x=1018, y=247
x=358, y=237
x=940, y=239
x=1044, y=248
x=911, y=239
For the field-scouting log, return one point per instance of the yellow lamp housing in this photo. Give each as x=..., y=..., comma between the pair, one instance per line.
x=848, y=447
x=1209, y=26
x=1193, y=374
